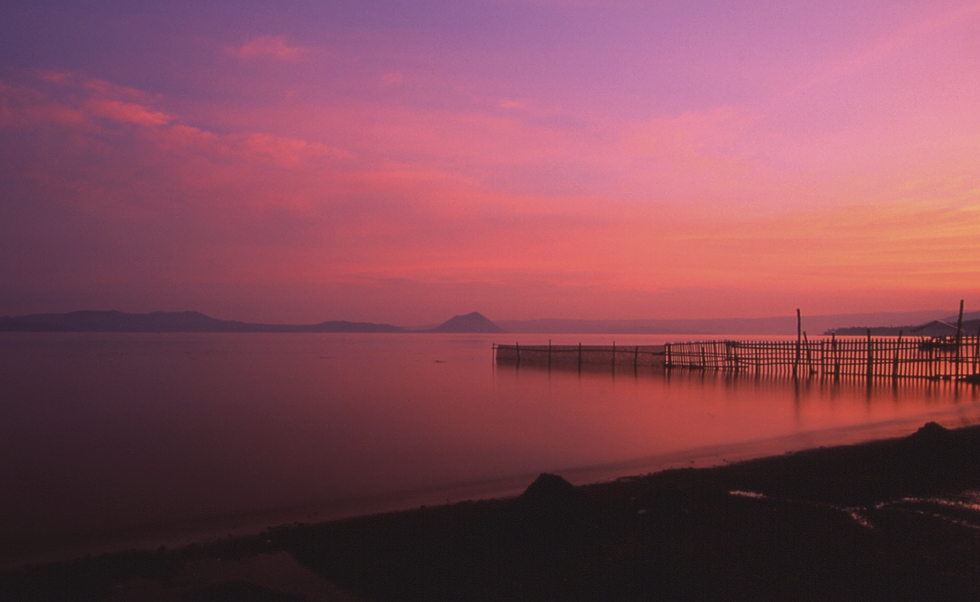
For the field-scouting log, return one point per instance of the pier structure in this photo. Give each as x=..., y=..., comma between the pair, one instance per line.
x=955, y=357
x=936, y=358
x=941, y=358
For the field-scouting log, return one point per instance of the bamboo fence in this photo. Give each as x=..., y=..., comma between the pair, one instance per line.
x=947, y=358
x=571, y=355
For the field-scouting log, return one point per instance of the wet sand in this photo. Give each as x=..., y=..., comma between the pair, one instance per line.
x=893, y=519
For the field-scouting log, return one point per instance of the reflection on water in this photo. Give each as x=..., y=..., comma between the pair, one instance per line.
x=99, y=431
x=691, y=408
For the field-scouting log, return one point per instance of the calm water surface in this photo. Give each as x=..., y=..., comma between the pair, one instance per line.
x=128, y=435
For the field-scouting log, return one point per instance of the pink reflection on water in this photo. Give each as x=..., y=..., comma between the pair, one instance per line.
x=100, y=431
x=649, y=413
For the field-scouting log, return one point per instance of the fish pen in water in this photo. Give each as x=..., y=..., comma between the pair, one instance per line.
x=578, y=355
x=939, y=358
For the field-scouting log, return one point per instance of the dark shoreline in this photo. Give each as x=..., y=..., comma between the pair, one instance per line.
x=853, y=522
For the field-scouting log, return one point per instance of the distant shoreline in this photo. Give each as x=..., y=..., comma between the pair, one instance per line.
x=159, y=322
x=191, y=321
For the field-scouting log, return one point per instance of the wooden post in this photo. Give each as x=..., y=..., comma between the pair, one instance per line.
x=549, y=354
x=809, y=355
x=636, y=358
x=870, y=358
x=614, y=355
x=823, y=358
x=799, y=337
x=668, y=361
x=959, y=331
x=580, y=356
x=898, y=347
x=833, y=350
x=976, y=354
x=517, y=346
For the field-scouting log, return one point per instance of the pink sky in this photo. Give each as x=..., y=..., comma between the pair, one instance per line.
x=402, y=162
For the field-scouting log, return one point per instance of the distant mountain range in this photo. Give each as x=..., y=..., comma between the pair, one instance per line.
x=192, y=321
x=161, y=321
x=944, y=326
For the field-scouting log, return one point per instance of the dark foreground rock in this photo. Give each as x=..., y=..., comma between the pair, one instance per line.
x=890, y=520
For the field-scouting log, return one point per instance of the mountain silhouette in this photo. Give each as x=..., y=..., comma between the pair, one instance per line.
x=161, y=321
x=473, y=322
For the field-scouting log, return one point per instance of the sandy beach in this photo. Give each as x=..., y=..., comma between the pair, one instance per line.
x=892, y=519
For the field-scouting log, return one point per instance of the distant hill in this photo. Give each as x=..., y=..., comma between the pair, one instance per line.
x=926, y=325
x=967, y=316
x=344, y=326
x=160, y=321
x=776, y=325
x=933, y=328
x=473, y=322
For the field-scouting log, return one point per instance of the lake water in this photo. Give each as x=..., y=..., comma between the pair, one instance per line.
x=110, y=440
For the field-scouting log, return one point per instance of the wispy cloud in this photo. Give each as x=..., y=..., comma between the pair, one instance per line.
x=276, y=47
x=67, y=98
x=589, y=161
x=127, y=112
x=933, y=28
x=512, y=104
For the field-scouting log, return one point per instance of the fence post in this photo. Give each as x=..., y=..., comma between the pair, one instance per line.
x=976, y=354
x=799, y=335
x=870, y=358
x=959, y=332
x=898, y=347
x=809, y=355
x=835, y=353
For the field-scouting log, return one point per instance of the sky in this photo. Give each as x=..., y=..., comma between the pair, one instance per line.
x=406, y=161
